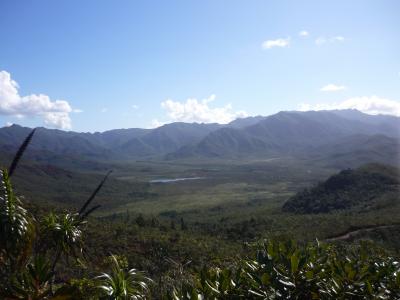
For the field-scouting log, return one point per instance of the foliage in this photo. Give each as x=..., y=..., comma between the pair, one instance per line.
x=16, y=228
x=33, y=282
x=122, y=283
x=30, y=250
x=46, y=257
x=285, y=270
x=346, y=189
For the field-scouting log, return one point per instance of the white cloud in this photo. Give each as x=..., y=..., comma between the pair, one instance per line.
x=8, y=124
x=338, y=39
x=332, y=88
x=55, y=113
x=199, y=111
x=104, y=110
x=304, y=33
x=58, y=120
x=156, y=123
x=323, y=40
x=372, y=105
x=276, y=43
x=134, y=106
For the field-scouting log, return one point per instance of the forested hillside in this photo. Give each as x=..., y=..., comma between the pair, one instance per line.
x=199, y=150
x=367, y=187
x=64, y=252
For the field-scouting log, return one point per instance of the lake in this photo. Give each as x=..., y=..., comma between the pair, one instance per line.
x=168, y=180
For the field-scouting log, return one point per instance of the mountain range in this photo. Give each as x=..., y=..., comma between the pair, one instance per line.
x=336, y=136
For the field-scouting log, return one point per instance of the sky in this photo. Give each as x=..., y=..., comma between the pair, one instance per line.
x=96, y=65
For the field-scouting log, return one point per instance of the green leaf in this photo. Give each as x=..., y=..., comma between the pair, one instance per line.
x=294, y=262
x=265, y=279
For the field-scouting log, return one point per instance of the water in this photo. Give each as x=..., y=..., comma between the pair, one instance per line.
x=168, y=180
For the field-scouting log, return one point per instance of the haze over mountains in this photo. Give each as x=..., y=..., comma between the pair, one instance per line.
x=336, y=136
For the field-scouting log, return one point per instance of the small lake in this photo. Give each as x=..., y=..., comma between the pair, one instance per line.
x=168, y=180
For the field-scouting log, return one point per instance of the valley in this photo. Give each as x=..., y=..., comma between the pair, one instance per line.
x=199, y=150
x=244, y=196
x=210, y=183
x=207, y=203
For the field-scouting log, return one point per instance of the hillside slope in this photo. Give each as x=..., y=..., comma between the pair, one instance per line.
x=302, y=134
x=369, y=186
x=331, y=136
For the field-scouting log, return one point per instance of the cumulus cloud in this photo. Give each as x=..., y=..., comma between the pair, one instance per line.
x=332, y=88
x=304, y=33
x=282, y=43
x=372, y=105
x=325, y=40
x=156, y=123
x=194, y=110
x=54, y=113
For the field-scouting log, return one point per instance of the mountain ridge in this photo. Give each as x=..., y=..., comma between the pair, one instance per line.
x=307, y=135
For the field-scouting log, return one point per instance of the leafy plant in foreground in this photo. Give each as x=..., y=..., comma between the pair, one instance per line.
x=30, y=252
x=285, y=270
x=31, y=249
x=122, y=283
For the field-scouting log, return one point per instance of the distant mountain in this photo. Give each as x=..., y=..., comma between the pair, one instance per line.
x=165, y=139
x=367, y=187
x=116, y=144
x=222, y=143
x=386, y=122
x=52, y=143
x=244, y=122
x=355, y=150
x=332, y=136
x=118, y=137
x=296, y=134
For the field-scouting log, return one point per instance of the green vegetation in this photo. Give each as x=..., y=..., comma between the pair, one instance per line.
x=224, y=237
x=285, y=270
x=31, y=250
x=365, y=187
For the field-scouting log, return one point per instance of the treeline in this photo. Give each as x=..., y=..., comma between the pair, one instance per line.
x=67, y=255
x=362, y=187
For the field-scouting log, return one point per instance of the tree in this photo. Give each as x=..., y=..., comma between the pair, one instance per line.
x=30, y=249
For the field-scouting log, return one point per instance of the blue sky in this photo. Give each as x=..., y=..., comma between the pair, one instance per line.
x=96, y=65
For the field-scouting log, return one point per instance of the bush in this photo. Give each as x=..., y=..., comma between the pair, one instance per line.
x=31, y=251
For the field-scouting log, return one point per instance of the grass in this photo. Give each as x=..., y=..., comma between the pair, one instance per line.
x=204, y=195
x=231, y=194
x=243, y=187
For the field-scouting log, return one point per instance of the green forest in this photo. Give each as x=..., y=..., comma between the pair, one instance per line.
x=199, y=150
x=57, y=252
